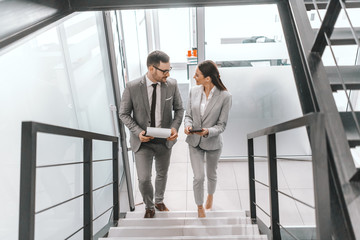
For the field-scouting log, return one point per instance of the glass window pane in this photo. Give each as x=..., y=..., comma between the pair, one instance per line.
x=33, y=87
x=253, y=59
x=175, y=34
x=89, y=72
x=238, y=33
x=135, y=42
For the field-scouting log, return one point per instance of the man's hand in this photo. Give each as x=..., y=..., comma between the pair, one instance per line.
x=143, y=138
x=187, y=130
x=174, y=134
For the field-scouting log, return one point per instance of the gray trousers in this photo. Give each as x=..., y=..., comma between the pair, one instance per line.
x=144, y=160
x=198, y=157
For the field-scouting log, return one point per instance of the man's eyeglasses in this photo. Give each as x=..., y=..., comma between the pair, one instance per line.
x=163, y=71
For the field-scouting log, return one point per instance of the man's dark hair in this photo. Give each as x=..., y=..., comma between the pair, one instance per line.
x=155, y=57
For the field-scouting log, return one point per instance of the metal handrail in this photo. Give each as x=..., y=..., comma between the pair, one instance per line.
x=315, y=124
x=28, y=177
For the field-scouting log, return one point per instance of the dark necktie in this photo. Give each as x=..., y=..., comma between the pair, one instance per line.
x=153, y=105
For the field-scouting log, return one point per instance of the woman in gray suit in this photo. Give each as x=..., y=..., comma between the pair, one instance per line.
x=205, y=119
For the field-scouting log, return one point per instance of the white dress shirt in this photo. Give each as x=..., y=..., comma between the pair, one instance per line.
x=150, y=90
x=204, y=101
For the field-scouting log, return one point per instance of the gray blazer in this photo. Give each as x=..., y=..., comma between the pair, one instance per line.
x=135, y=110
x=215, y=118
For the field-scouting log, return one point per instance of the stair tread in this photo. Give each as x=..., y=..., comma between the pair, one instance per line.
x=184, y=226
x=352, y=133
x=342, y=36
x=172, y=214
x=350, y=75
x=242, y=237
x=183, y=221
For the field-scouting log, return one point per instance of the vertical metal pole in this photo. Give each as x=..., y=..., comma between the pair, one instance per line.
x=116, y=181
x=274, y=199
x=200, y=30
x=27, y=182
x=251, y=180
x=88, y=194
x=321, y=178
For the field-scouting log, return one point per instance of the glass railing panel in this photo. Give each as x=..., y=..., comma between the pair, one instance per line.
x=103, y=201
x=59, y=222
x=57, y=184
x=99, y=223
x=102, y=150
x=102, y=173
x=56, y=149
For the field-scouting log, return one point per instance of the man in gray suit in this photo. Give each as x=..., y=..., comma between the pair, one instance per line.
x=149, y=102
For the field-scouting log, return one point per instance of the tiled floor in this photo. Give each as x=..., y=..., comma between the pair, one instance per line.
x=295, y=179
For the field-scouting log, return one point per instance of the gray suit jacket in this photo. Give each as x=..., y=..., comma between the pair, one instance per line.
x=215, y=118
x=135, y=110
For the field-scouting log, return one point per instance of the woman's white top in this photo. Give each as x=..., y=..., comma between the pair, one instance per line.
x=204, y=101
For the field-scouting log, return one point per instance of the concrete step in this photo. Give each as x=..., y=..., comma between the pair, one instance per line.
x=169, y=231
x=187, y=214
x=224, y=237
x=127, y=222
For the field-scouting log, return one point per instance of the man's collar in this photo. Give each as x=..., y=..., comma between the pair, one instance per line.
x=149, y=82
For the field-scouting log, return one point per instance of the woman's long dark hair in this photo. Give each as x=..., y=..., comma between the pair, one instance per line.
x=209, y=69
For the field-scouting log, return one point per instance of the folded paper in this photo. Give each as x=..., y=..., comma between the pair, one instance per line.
x=158, y=132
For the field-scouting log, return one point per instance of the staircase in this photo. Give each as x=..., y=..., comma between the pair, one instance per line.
x=343, y=78
x=185, y=225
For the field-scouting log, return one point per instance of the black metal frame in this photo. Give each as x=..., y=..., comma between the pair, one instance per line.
x=315, y=124
x=21, y=18
x=28, y=177
x=83, y=5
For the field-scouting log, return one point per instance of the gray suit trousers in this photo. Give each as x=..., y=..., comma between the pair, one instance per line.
x=198, y=157
x=144, y=160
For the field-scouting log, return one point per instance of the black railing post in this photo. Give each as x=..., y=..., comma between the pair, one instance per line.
x=27, y=182
x=321, y=178
x=88, y=186
x=274, y=198
x=251, y=180
x=116, y=181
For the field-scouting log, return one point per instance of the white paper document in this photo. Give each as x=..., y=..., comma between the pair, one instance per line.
x=158, y=132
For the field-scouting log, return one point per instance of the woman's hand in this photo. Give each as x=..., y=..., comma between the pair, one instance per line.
x=203, y=133
x=187, y=130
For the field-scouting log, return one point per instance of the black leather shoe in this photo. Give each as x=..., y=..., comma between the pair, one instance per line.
x=149, y=213
x=161, y=207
